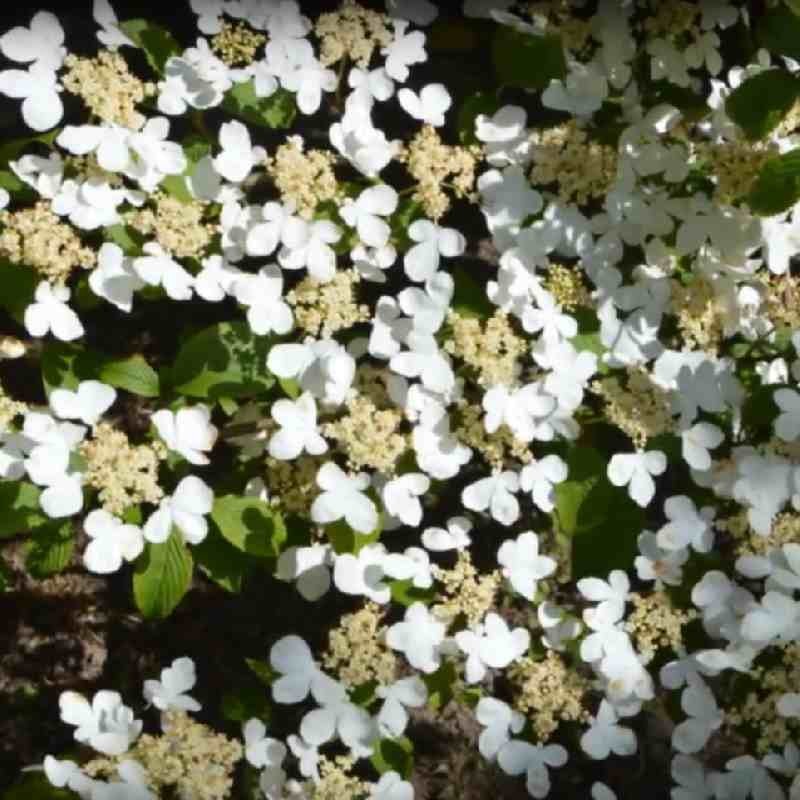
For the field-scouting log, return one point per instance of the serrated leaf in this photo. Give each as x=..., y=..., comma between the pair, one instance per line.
x=393, y=755
x=778, y=185
x=250, y=525
x=163, y=576
x=527, y=61
x=276, y=111
x=50, y=548
x=133, y=374
x=158, y=43
x=779, y=32
x=600, y=520
x=227, y=359
x=759, y=103
x=19, y=508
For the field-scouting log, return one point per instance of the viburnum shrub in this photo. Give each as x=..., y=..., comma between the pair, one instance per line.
x=508, y=361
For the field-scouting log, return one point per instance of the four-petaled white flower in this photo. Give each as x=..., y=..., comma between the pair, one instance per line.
x=516, y=757
x=112, y=541
x=636, y=470
x=365, y=212
x=267, y=311
x=106, y=724
x=605, y=736
x=491, y=644
x=298, y=429
x=87, y=403
x=238, y=155
x=522, y=564
x=261, y=750
x=170, y=691
x=401, y=497
x=787, y=423
x=188, y=431
x=308, y=244
x=499, y=721
x=495, y=494
x=419, y=637
x=50, y=312
x=432, y=242
x=343, y=497
x=186, y=509
x=454, y=537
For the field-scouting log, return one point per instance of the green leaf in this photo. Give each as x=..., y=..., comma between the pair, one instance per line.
x=133, y=374
x=778, y=186
x=194, y=149
x=405, y=593
x=469, y=296
x=65, y=365
x=526, y=60
x=50, y=548
x=393, y=755
x=262, y=670
x=600, y=519
x=760, y=103
x=246, y=701
x=9, y=151
x=19, y=284
x=779, y=32
x=440, y=685
x=35, y=786
x=344, y=539
x=159, y=44
x=19, y=508
x=227, y=359
x=276, y=111
x=250, y=525
x=125, y=237
x=221, y=562
x=162, y=577
x=476, y=104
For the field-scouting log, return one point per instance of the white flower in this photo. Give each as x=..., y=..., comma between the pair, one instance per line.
x=308, y=244
x=170, y=691
x=610, y=595
x=424, y=360
x=405, y=693
x=158, y=268
x=298, y=429
x=605, y=736
x=364, y=573
x=38, y=89
x=261, y=750
x=299, y=673
x=658, y=564
x=67, y=774
x=373, y=85
x=429, y=105
x=516, y=757
x=401, y=497
x=263, y=294
x=109, y=143
x=697, y=441
x=114, y=278
x=42, y=43
x=50, y=312
x=454, y=537
x=495, y=493
x=549, y=319
x=87, y=403
x=635, y=471
x=558, y=627
x=540, y=477
x=391, y=785
x=106, y=725
x=691, y=735
x=188, y=431
x=111, y=542
x=582, y=94
x=491, y=644
x=238, y=155
x=777, y=617
x=185, y=509
x=309, y=566
x=365, y=212
x=418, y=637
x=110, y=34
x=155, y=156
x=343, y=496
x=499, y=721
x=422, y=259
x=308, y=80
x=687, y=526
x=787, y=423
x=217, y=279
x=405, y=49
x=522, y=564
x=504, y=136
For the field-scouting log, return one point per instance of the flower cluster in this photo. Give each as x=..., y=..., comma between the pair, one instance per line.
x=514, y=372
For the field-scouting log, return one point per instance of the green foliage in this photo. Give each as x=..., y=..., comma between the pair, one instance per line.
x=246, y=701
x=126, y=237
x=527, y=61
x=778, y=186
x=344, y=539
x=162, y=577
x=469, y=297
x=19, y=508
x=221, y=562
x=600, y=520
x=394, y=755
x=65, y=365
x=250, y=525
x=405, y=593
x=779, y=32
x=440, y=685
x=476, y=104
x=760, y=103
x=159, y=44
x=19, y=285
x=262, y=670
x=50, y=548
x=227, y=359
x=276, y=111
x=35, y=786
x=194, y=149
